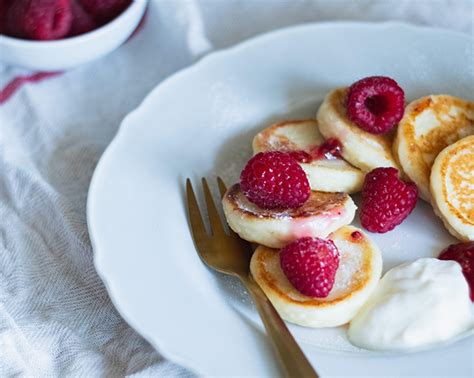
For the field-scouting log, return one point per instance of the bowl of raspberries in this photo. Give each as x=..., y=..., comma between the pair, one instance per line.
x=52, y=35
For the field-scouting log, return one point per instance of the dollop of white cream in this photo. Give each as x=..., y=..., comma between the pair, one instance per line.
x=415, y=304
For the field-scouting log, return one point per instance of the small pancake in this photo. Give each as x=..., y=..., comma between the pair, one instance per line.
x=321, y=214
x=452, y=188
x=362, y=149
x=359, y=271
x=326, y=175
x=430, y=124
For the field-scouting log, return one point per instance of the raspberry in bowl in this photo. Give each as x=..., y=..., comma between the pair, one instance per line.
x=54, y=35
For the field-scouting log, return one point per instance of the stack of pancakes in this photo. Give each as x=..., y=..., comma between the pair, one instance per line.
x=433, y=146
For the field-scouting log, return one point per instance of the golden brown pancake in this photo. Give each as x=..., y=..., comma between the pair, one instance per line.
x=359, y=270
x=429, y=125
x=452, y=188
x=359, y=147
x=326, y=172
x=320, y=215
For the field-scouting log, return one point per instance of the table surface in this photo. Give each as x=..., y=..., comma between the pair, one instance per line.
x=55, y=315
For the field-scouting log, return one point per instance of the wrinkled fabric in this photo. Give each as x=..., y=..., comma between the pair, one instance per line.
x=55, y=316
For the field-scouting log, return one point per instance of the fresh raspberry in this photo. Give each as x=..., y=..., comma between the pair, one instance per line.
x=386, y=200
x=104, y=11
x=39, y=19
x=82, y=22
x=376, y=104
x=274, y=180
x=310, y=264
x=463, y=253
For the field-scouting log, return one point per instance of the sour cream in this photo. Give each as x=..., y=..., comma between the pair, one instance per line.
x=415, y=304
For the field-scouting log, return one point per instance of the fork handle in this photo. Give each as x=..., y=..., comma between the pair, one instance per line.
x=292, y=358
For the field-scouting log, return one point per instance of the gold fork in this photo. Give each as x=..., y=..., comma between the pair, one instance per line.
x=228, y=253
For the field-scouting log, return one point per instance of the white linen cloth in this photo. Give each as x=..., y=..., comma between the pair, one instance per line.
x=55, y=316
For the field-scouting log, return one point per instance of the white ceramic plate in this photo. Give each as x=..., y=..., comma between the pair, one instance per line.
x=200, y=122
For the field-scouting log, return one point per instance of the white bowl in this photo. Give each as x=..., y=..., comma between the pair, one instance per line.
x=70, y=52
